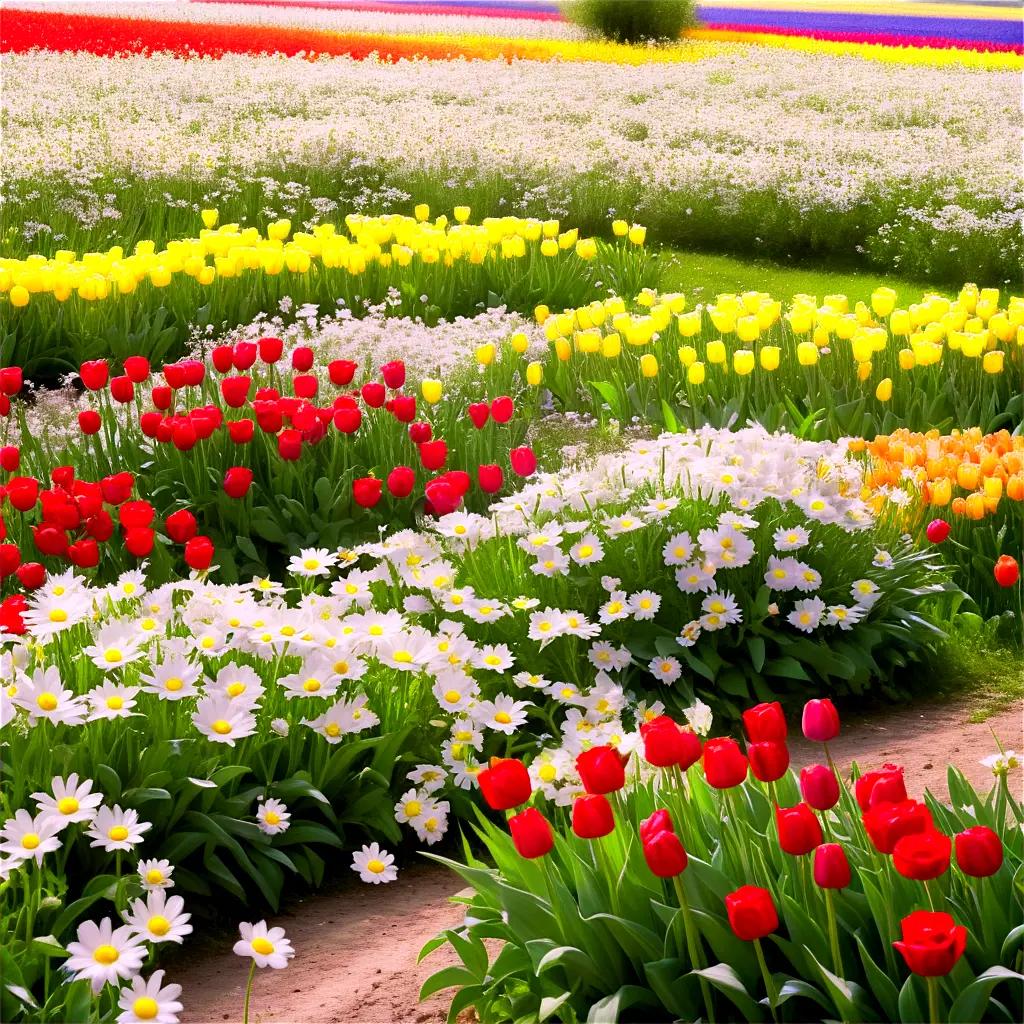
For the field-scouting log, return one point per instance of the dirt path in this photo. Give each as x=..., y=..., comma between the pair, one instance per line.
x=356, y=945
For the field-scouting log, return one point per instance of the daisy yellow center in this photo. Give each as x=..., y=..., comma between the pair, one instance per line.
x=545, y=627
x=222, y=727
x=341, y=667
x=717, y=606
x=464, y=735
x=59, y=591
x=148, y=624
x=145, y=1008
x=333, y=729
x=262, y=946
x=402, y=657
x=287, y=631
x=602, y=706
x=206, y=643
x=159, y=925
x=351, y=588
x=567, y=692
x=272, y=817
x=311, y=685
x=792, y=538
x=29, y=841
x=412, y=808
x=805, y=617
x=679, y=552
x=457, y=599
x=376, y=866
x=118, y=833
x=236, y=689
x=58, y=615
x=47, y=701
x=452, y=696
x=485, y=609
x=376, y=631
x=174, y=684
x=105, y=954
x=130, y=588
x=311, y=563
x=503, y=718
x=460, y=529
x=727, y=542
x=68, y=805
x=586, y=551
x=492, y=659
x=113, y=655
x=645, y=603
x=779, y=574
x=154, y=876
x=548, y=773
x=115, y=703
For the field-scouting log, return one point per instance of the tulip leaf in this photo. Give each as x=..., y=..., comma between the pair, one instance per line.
x=1013, y=939
x=550, y=1005
x=972, y=1002
x=729, y=983
x=447, y=977
x=909, y=1004
x=609, y=1009
x=882, y=987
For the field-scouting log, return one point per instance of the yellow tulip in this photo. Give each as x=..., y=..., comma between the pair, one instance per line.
x=801, y=320
x=280, y=229
x=620, y=228
x=19, y=295
x=863, y=371
x=743, y=361
x=207, y=275
x=549, y=247
x=940, y=491
x=688, y=323
x=586, y=248
x=993, y=486
x=421, y=212
x=160, y=276
x=748, y=329
x=862, y=348
x=687, y=355
x=210, y=218
x=992, y=362
x=695, y=373
x=769, y=356
x=637, y=234
x=611, y=346
x=883, y=301
x=563, y=350
x=715, y=351
x=534, y=373
x=567, y=239
x=485, y=354
x=461, y=214
x=541, y=313
x=432, y=390
x=840, y=303
x=899, y=323
x=807, y=353
x=907, y=359
x=519, y=342
x=884, y=390
x=967, y=475
x=648, y=365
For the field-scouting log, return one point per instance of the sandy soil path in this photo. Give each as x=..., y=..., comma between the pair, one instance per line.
x=356, y=944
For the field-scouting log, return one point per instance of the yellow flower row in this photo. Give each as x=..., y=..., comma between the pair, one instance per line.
x=228, y=250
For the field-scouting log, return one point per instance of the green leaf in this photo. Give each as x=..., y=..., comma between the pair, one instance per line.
x=607, y=1010
x=729, y=983
x=447, y=977
x=972, y=1002
x=909, y=1005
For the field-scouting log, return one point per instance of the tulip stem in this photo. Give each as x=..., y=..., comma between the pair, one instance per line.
x=248, y=993
x=833, y=934
x=769, y=982
x=693, y=945
x=933, y=1000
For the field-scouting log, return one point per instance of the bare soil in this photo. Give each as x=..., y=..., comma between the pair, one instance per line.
x=356, y=945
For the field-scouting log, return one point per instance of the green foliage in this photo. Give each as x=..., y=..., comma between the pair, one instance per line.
x=633, y=21
x=588, y=933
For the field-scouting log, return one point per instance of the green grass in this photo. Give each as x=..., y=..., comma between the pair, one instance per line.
x=702, y=276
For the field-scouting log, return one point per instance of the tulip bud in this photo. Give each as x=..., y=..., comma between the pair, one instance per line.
x=799, y=829
x=89, y=421
x=270, y=349
x=490, y=478
x=401, y=481
x=932, y=943
x=531, y=833
x=393, y=374
x=979, y=851
x=664, y=854
x=937, y=531
x=181, y=526
x=765, y=723
x=592, y=816
x=433, y=454
x=505, y=784
x=768, y=760
x=199, y=553
x=831, y=868
x=601, y=769
x=922, y=856
x=367, y=491
x=883, y=786
x=523, y=461
x=819, y=786
x=820, y=721
x=751, y=911
x=237, y=482
x=724, y=763
x=479, y=414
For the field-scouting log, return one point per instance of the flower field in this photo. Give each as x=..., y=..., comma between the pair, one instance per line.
x=372, y=486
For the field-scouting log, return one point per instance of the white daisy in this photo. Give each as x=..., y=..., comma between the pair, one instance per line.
x=272, y=816
x=269, y=947
x=806, y=614
x=26, y=838
x=70, y=800
x=159, y=918
x=114, y=829
x=311, y=562
x=156, y=874
x=666, y=669
x=149, y=1002
x=374, y=864
x=102, y=954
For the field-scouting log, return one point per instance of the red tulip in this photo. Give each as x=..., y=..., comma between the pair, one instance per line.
x=752, y=913
x=1006, y=571
x=235, y=391
x=136, y=368
x=64, y=476
x=592, y=816
x=531, y=833
x=420, y=432
x=602, y=769
x=401, y=481
x=831, y=868
x=150, y=423
x=433, y=454
x=659, y=821
x=305, y=385
x=692, y=751
x=32, y=575
x=523, y=461
x=122, y=389
x=11, y=380
x=237, y=481
x=765, y=723
x=922, y=855
x=289, y=445
x=347, y=420
x=302, y=359
x=23, y=492
x=241, y=431
x=174, y=374
x=505, y=783
x=665, y=854
x=768, y=761
x=820, y=721
x=341, y=372
x=883, y=786
x=181, y=526
x=89, y=421
x=724, y=763
x=5, y=410
x=799, y=829
x=442, y=497
x=100, y=526
x=199, y=553
x=887, y=824
x=223, y=358
x=819, y=786
x=373, y=394
x=270, y=349
x=663, y=742
x=937, y=531
x=458, y=479
x=10, y=615
x=139, y=541
x=10, y=559
x=194, y=372
x=162, y=397
x=366, y=491
x=403, y=408
x=184, y=436
x=94, y=374
x=117, y=488
x=479, y=413
x=393, y=374
x=979, y=852
x=134, y=514
x=490, y=479
x=244, y=355
x=84, y=553
x=932, y=943
x=10, y=458
x=502, y=409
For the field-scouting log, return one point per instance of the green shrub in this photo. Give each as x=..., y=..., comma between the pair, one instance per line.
x=633, y=21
